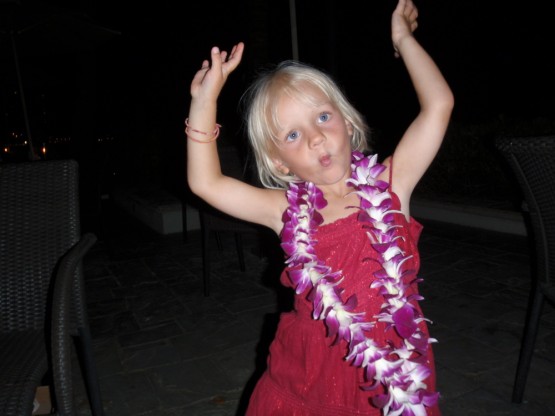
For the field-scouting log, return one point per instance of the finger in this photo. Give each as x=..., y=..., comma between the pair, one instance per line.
x=232, y=53
x=237, y=51
x=235, y=56
x=199, y=76
x=400, y=6
x=215, y=58
x=202, y=71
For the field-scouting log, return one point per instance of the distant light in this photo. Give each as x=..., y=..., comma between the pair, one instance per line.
x=6, y=149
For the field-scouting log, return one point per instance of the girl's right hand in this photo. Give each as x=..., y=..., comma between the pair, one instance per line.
x=211, y=77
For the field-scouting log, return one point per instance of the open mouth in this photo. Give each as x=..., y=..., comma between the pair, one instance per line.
x=325, y=160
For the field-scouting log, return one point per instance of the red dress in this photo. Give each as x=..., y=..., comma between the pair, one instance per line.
x=306, y=375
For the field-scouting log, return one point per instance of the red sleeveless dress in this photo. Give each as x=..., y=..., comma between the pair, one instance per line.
x=306, y=375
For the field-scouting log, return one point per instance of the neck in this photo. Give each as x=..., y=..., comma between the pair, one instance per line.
x=337, y=190
x=339, y=205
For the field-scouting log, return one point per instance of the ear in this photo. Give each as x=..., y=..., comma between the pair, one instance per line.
x=280, y=167
x=350, y=128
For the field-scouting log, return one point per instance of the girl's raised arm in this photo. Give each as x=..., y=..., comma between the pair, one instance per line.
x=421, y=141
x=204, y=174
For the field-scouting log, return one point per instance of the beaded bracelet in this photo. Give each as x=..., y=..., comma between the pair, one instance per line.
x=189, y=129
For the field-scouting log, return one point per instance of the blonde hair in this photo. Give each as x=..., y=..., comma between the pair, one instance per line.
x=262, y=98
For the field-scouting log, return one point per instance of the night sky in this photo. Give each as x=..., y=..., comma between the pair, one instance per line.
x=495, y=55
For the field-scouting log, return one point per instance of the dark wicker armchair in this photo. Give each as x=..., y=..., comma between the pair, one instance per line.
x=532, y=160
x=42, y=303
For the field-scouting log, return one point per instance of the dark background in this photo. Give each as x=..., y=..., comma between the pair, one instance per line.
x=132, y=90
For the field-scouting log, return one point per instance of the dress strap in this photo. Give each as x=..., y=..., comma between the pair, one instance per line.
x=390, y=172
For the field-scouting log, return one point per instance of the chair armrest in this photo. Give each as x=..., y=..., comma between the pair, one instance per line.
x=68, y=277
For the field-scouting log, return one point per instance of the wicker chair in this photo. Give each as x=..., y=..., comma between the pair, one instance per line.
x=532, y=161
x=41, y=286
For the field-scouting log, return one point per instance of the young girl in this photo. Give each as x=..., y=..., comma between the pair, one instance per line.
x=356, y=342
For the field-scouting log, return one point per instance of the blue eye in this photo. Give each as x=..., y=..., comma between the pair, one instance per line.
x=294, y=135
x=323, y=117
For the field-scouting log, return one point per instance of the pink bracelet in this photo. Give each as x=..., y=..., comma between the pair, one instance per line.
x=202, y=141
x=189, y=129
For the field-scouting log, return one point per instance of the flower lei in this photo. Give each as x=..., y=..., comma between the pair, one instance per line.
x=401, y=369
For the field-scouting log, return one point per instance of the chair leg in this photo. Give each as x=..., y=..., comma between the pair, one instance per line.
x=184, y=231
x=240, y=255
x=219, y=243
x=206, y=262
x=90, y=373
x=528, y=342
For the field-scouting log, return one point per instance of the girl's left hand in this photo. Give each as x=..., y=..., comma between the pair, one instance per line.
x=403, y=22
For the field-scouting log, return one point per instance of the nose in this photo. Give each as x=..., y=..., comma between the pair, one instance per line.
x=316, y=138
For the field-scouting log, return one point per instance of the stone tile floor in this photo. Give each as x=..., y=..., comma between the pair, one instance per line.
x=162, y=348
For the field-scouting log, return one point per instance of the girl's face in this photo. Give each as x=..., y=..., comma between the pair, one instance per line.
x=314, y=140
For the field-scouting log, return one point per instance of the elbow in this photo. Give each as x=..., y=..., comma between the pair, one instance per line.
x=441, y=102
x=202, y=185
x=195, y=182
x=445, y=105
x=192, y=187
x=450, y=101
x=196, y=186
x=446, y=100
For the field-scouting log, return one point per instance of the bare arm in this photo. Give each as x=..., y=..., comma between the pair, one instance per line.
x=204, y=174
x=422, y=140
